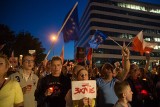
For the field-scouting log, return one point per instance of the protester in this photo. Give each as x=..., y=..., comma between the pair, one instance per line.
x=105, y=84
x=80, y=75
x=52, y=89
x=10, y=91
x=75, y=70
x=27, y=79
x=124, y=93
x=141, y=86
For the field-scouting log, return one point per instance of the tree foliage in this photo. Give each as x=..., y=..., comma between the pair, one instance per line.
x=21, y=43
x=8, y=38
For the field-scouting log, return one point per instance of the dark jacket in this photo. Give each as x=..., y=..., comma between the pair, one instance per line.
x=60, y=86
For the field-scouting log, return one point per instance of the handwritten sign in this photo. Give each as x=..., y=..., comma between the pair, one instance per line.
x=81, y=89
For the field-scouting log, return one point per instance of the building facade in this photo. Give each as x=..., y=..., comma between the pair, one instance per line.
x=121, y=20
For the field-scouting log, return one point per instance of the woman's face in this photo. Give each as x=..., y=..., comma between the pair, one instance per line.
x=3, y=66
x=82, y=75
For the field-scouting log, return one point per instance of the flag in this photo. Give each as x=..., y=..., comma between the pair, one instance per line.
x=148, y=47
x=140, y=45
x=71, y=28
x=62, y=54
x=97, y=39
x=1, y=46
x=12, y=54
x=89, y=54
x=137, y=42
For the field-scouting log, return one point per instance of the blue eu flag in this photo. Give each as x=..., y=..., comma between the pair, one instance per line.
x=97, y=39
x=71, y=29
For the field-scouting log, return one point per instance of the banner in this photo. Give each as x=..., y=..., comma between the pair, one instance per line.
x=81, y=89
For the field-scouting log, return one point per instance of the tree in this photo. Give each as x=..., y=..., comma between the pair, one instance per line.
x=20, y=43
x=8, y=38
x=25, y=42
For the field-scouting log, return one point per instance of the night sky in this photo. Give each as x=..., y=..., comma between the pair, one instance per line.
x=42, y=18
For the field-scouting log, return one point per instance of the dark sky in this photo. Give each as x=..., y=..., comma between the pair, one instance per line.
x=42, y=18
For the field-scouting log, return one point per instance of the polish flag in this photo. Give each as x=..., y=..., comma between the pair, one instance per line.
x=148, y=47
x=137, y=42
x=139, y=45
x=62, y=54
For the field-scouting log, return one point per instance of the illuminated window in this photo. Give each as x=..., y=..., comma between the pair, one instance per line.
x=137, y=7
x=157, y=39
x=147, y=39
x=157, y=47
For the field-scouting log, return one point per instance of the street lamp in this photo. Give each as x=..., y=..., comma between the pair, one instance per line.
x=53, y=37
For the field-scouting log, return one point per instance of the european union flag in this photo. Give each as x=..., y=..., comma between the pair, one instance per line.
x=71, y=29
x=97, y=39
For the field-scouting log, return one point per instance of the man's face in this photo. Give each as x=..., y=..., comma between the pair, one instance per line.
x=28, y=63
x=56, y=67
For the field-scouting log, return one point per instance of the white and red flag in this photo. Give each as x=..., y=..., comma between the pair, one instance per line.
x=140, y=45
x=148, y=47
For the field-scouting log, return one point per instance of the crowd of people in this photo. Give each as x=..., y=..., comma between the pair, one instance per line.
x=49, y=84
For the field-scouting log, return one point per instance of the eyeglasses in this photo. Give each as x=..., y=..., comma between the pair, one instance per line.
x=28, y=61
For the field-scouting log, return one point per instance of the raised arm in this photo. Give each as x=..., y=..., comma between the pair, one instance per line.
x=126, y=63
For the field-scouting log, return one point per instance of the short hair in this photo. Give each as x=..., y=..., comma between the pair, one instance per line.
x=107, y=66
x=119, y=87
x=25, y=55
x=77, y=69
x=56, y=58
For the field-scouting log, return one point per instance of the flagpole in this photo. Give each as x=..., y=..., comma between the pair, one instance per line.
x=62, y=28
x=115, y=42
x=129, y=43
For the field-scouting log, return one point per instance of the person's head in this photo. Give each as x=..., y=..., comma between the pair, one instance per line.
x=64, y=70
x=48, y=65
x=107, y=70
x=4, y=65
x=75, y=70
x=28, y=62
x=134, y=71
x=82, y=74
x=123, y=91
x=56, y=66
x=13, y=61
